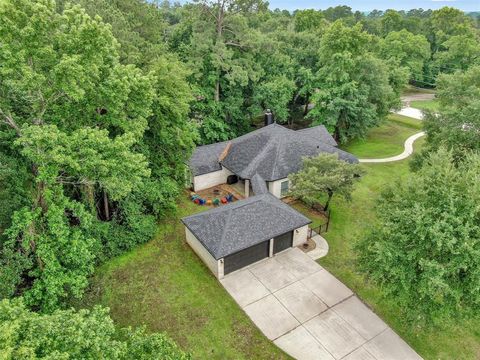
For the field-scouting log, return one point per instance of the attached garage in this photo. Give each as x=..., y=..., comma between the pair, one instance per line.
x=282, y=242
x=231, y=237
x=246, y=257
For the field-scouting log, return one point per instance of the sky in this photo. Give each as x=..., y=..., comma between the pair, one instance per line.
x=367, y=5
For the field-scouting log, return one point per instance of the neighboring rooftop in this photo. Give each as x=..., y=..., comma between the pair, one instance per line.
x=239, y=225
x=273, y=152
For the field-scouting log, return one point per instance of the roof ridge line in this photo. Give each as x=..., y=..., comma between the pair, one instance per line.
x=225, y=227
x=276, y=157
x=254, y=160
x=227, y=222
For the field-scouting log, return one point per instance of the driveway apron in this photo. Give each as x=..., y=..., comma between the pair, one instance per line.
x=309, y=313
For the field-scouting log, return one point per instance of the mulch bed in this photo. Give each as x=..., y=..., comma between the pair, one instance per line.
x=310, y=245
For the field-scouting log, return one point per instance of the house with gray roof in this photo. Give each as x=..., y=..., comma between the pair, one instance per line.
x=236, y=235
x=230, y=237
x=273, y=152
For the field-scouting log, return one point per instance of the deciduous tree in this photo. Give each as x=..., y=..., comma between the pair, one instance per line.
x=425, y=251
x=324, y=176
x=354, y=92
x=83, y=334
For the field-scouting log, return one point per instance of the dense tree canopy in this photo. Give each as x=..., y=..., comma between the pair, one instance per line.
x=67, y=334
x=75, y=120
x=457, y=125
x=407, y=50
x=353, y=91
x=426, y=249
x=102, y=102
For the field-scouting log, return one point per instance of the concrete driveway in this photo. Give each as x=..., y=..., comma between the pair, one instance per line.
x=309, y=314
x=411, y=112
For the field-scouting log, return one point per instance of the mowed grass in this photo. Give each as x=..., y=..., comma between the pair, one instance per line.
x=431, y=105
x=350, y=221
x=166, y=287
x=385, y=140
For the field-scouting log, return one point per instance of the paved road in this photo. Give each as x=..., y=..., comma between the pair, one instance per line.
x=408, y=150
x=411, y=112
x=407, y=98
x=310, y=314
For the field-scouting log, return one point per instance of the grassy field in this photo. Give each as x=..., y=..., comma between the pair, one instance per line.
x=165, y=286
x=431, y=105
x=385, y=140
x=350, y=221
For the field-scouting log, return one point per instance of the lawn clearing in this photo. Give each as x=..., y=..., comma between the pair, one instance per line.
x=165, y=286
x=431, y=105
x=385, y=140
x=349, y=222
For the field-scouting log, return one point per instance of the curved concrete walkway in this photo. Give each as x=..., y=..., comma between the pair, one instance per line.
x=405, y=154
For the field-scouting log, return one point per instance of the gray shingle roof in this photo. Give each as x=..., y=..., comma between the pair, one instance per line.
x=273, y=152
x=319, y=132
x=259, y=186
x=205, y=158
x=239, y=225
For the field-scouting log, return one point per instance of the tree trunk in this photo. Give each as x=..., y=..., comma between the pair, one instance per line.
x=89, y=196
x=106, y=209
x=327, y=204
x=217, y=89
x=40, y=191
x=336, y=133
x=305, y=110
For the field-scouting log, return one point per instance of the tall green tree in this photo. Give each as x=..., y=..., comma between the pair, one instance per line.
x=69, y=334
x=425, y=250
x=406, y=50
x=324, y=176
x=354, y=92
x=457, y=125
x=64, y=98
x=391, y=21
x=309, y=19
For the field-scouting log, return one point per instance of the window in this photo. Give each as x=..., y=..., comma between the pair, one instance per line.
x=284, y=188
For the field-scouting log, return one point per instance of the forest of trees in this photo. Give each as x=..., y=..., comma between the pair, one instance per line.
x=102, y=103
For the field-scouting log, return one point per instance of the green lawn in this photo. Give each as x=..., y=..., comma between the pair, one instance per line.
x=385, y=140
x=349, y=222
x=431, y=105
x=165, y=286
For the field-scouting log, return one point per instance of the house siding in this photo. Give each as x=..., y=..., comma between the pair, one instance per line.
x=209, y=180
x=215, y=266
x=300, y=235
x=275, y=187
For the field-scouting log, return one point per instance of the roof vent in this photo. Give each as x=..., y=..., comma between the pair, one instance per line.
x=268, y=118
